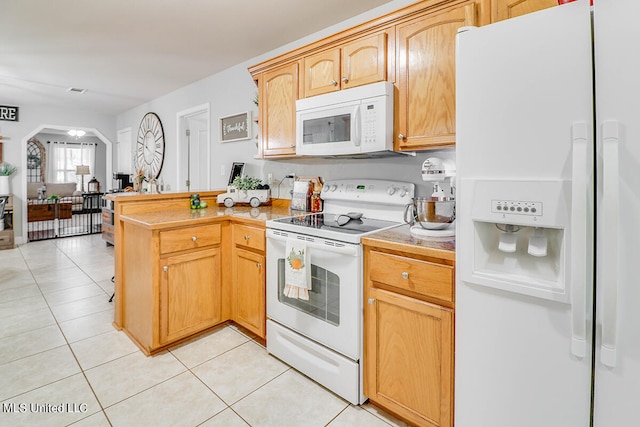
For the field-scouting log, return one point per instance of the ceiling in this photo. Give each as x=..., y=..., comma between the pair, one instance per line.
x=128, y=52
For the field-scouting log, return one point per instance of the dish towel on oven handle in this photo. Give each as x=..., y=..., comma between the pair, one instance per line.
x=297, y=270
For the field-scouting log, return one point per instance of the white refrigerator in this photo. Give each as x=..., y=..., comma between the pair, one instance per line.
x=548, y=219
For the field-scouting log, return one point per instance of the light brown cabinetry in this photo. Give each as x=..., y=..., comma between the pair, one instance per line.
x=189, y=294
x=506, y=9
x=248, y=265
x=409, y=335
x=173, y=283
x=279, y=90
x=425, y=115
x=356, y=63
x=7, y=240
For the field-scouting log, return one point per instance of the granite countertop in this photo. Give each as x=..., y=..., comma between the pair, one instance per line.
x=185, y=217
x=401, y=239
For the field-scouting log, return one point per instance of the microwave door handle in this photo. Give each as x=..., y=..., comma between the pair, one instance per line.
x=356, y=126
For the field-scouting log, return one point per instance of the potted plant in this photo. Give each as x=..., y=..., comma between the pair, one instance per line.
x=6, y=170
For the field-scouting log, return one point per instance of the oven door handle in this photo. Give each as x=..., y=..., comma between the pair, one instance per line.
x=347, y=249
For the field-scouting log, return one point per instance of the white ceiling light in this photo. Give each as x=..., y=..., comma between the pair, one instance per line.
x=77, y=133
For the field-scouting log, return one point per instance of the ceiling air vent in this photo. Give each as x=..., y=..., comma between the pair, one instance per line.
x=76, y=90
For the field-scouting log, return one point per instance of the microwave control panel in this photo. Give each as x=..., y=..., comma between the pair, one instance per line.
x=369, y=120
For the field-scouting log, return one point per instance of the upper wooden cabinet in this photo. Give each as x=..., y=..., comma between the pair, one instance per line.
x=425, y=115
x=278, y=94
x=505, y=9
x=353, y=64
x=414, y=47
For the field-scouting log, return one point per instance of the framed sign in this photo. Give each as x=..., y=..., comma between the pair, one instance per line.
x=236, y=127
x=8, y=113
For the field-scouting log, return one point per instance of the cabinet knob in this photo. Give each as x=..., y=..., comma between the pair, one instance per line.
x=401, y=137
x=371, y=300
x=259, y=265
x=405, y=275
x=345, y=80
x=194, y=238
x=333, y=82
x=165, y=268
x=246, y=237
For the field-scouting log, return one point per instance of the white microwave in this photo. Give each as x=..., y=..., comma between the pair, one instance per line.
x=347, y=122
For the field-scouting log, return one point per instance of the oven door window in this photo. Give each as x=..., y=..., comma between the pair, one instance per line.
x=324, y=295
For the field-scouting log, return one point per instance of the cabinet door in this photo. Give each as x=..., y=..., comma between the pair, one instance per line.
x=426, y=77
x=249, y=282
x=322, y=73
x=190, y=298
x=505, y=9
x=364, y=61
x=408, y=360
x=278, y=96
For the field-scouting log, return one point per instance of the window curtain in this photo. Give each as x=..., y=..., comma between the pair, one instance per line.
x=63, y=159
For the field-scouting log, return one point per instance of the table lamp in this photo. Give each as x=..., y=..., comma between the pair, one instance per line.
x=82, y=170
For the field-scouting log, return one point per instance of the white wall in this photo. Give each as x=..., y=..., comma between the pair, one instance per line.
x=232, y=91
x=31, y=118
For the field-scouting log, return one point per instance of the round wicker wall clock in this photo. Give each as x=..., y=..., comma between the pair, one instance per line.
x=150, y=146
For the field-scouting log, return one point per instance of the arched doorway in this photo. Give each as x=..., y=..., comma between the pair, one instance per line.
x=107, y=165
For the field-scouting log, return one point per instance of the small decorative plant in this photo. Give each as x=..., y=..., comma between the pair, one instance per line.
x=247, y=183
x=7, y=169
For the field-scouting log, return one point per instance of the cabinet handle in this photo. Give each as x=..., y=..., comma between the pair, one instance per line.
x=259, y=265
x=401, y=137
x=333, y=82
x=165, y=268
x=405, y=275
x=371, y=300
x=246, y=238
x=345, y=80
x=194, y=238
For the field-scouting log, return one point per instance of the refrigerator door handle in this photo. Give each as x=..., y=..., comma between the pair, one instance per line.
x=609, y=248
x=579, y=209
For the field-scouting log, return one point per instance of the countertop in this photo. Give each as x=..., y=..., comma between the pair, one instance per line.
x=401, y=239
x=186, y=216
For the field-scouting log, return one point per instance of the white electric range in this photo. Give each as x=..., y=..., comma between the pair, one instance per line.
x=322, y=337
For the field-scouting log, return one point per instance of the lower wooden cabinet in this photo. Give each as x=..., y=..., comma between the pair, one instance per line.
x=408, y=339
x=189, y=294
x=249, y=279
x=172, y=283
x=249, y=298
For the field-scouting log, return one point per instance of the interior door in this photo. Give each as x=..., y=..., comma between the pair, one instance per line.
x=617, y=377
x=198, y=152
x=194, y=150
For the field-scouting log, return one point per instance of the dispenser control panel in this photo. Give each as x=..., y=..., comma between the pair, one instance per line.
x=517, y=207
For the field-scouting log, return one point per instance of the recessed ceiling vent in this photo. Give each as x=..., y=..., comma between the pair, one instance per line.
x=76, y=90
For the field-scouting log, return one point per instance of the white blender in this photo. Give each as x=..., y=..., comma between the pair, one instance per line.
x=434, y=216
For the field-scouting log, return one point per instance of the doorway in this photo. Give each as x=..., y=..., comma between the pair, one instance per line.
x=194, y=149
x=81, y=211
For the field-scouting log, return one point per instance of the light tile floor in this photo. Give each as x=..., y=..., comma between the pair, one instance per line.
x=62, y=362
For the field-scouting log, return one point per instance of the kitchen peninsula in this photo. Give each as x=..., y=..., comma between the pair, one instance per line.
x=176, y=268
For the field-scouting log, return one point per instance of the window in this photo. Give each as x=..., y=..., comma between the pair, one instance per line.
x=64, y=159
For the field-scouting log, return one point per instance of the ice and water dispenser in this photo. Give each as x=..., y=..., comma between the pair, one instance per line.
x=520, y=236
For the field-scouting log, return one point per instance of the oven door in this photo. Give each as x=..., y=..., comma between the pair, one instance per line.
x=333, y=314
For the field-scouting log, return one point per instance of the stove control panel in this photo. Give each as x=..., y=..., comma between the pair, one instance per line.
x=369, y=191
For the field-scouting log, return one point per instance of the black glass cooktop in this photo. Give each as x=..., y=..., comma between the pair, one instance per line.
x=331, y=222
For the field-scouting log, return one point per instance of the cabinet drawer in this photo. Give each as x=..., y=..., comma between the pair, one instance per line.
x=422, y=277
x=189, y=238
x=249, y=237
x=6, y=239
x=107, y=217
